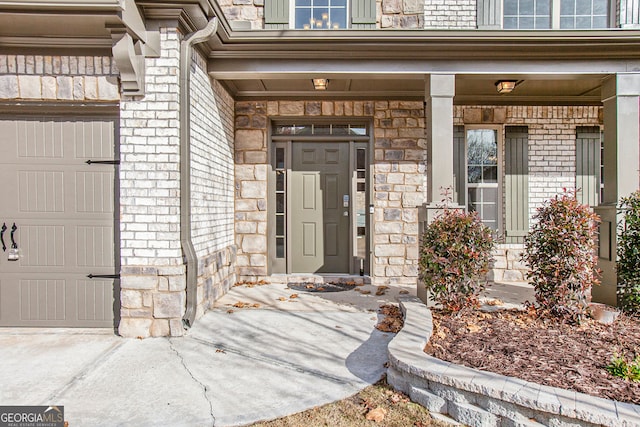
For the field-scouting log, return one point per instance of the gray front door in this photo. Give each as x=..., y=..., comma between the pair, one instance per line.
x=320, y=205
x=63, y=211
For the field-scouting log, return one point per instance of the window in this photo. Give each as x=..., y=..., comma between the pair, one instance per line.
x=527, y=14
x=482, y=175
x=320, y=14
x=543, y=14
x=583, y=14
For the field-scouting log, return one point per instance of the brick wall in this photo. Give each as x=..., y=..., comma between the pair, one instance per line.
x=152, y=276
x=449, y=14
x=61, y=78
x=398, y=173
x=212, y=182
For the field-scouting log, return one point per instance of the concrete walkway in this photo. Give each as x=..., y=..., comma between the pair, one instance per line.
x=231, y=368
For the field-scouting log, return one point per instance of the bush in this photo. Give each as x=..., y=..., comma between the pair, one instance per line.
x=560, y=251
x=619, y=367
x=454, y=258
x=628, y=262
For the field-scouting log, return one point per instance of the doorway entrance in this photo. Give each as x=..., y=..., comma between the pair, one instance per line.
x=319, y=206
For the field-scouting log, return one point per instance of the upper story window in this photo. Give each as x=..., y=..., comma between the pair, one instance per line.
x=527, y=14
x=544, y=14
x=584, y=14
x=320, y=14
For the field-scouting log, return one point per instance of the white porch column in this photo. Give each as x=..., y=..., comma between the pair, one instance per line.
x=621, y=101
x=439, y=92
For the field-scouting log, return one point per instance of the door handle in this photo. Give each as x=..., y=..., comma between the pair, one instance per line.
x=2, y=230
x=14, y=227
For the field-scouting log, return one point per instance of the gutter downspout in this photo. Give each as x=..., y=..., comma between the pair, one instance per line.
x=188, y=251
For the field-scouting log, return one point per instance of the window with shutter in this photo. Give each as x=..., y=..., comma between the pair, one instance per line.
x=320, y=14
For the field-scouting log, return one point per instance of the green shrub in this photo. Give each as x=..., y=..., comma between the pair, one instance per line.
x=628, y=261
x=455, y=256
x=560, y=251
x=619, y=367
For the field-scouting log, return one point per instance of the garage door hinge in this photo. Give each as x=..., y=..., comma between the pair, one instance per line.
x=103, y=276
x=103, y=162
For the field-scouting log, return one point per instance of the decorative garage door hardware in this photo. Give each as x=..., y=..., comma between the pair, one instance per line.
x=103, y=162
x=14, y=245
x=103, y=276
x=14, y=253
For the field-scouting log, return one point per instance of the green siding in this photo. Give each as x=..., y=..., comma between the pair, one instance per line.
x=516, y=184
x=459, y=163
x=588, y=140
x=276, y=14
x=363, y=14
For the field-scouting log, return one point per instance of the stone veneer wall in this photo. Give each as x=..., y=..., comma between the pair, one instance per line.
x=401, y=14
x=398, y=174
x=552, y=159
x=251, y=11
x=212, y=180
x=450, y=14
x=59, y=78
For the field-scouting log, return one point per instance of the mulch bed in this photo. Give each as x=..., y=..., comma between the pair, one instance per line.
x=519, y=344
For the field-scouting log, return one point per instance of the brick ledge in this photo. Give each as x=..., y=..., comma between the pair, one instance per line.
x=479, y=398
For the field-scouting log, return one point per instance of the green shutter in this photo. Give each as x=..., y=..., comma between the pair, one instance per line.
x=363, y=14
x=276, y=14
x=459, y=162
x=516, y=183
x=588, y=145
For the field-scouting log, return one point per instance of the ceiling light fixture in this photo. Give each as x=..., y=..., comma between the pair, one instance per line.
x=320, y=84
x=505, y=86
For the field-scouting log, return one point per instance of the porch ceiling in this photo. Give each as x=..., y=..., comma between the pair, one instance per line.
x=470, y=89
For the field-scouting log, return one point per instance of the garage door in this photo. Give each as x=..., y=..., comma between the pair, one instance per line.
x=57, y=212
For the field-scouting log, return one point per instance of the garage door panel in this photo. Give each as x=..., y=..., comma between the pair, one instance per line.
x=93, y=191
x=64, y=212
x=41, y=245
x=94, y=299
x=41, y=191
x=42, y=300
x=94, y=246
x=89, y=140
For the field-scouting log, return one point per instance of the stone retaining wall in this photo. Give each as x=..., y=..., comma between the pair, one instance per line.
x=478, y=398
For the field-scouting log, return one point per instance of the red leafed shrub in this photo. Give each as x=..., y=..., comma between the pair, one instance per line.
x=455, y=256
x=561, y=253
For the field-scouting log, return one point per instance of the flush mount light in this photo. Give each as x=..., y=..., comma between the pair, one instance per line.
x=320, y=84
x=505, y=86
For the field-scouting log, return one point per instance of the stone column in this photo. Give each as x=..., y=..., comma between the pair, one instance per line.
x=439, y=92
x=620, y=97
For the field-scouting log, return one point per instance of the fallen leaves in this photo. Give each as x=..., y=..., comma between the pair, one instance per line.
x=219, y=350
x=377, y=414
x=494, y=302
x=241, y=304
x=293, y=296
x=393, y=320
x=381, y=290
x=251, y=284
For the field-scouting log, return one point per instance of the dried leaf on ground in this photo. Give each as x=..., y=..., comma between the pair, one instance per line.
x=282, y=299
x=365, y=292
x=403, y=292
x=381, y=290
x=229, y=311
x=219, y=350
x=377, y=414
x=494, y=302
x=293, y=296
x=393, y=320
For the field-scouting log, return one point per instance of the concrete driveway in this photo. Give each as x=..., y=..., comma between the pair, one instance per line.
x=234, y=367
